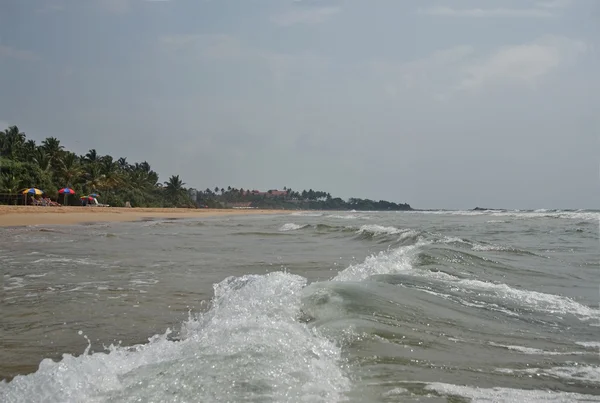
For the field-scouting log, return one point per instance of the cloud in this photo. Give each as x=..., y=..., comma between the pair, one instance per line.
x=444, y=73
x=490, y=12
x=207, y=46
x=120, y=7
x=227, y=48
x=524, y=63
x=12, y=53
x=316, y=15
x=428, y=75
x=554, y=4
x=115, y=6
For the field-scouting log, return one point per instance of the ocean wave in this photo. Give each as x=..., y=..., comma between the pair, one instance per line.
x=535, y=351
x=349, y=216
x=292, y=227
x=484, y=247
x=573, y=215
x=307, y=214
x=249, y=345
x=498, y=394
x=401, y=260
x=577, y=372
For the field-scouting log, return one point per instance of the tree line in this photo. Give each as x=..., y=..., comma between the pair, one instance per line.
x=291, y=199
x=50, y=167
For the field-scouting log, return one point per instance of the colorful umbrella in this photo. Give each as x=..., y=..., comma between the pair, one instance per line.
x=33, y=191
x=88, y=198
x=66, y=191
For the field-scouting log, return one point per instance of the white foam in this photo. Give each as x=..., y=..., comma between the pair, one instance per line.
x=349, y=217
x=291, y=227
x=589, y=344
x=397, y=261
x=304, y=214
x=55, y=260
x=380, y=230
x=480, y=395
x=535, y=351
x=573, y=215
x=12, y=283
x=249, y=345
x=576, y=372
x=548, y=303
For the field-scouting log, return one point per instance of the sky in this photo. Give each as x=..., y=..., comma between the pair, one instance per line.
x=439, y=104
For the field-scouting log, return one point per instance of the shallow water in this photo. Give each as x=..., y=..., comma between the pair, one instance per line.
x=353, y=306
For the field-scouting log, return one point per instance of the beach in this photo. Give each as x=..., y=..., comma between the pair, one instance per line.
x=11, y=216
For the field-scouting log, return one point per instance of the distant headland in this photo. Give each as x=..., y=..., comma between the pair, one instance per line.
x=29, y=171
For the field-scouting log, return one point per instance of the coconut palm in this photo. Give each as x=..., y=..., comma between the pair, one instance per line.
x=12, y=142
x=70, y=170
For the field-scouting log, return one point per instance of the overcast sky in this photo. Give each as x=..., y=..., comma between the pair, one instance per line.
x=440, y=104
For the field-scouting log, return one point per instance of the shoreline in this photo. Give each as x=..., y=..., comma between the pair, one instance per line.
x=19, y=216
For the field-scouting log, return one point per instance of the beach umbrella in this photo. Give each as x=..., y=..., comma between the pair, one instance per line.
x=31, y=191
x=88, y=198
x=66, y=191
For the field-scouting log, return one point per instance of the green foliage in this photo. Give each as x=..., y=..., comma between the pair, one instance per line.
x=291, y=200
x=50, y=167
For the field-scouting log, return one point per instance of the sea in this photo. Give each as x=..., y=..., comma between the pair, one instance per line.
x=419, y=306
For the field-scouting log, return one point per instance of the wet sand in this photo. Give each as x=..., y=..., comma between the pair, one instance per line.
x=11, y=216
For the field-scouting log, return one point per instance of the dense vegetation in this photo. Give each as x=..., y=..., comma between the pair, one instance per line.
x=49, y=167
x=290, y=199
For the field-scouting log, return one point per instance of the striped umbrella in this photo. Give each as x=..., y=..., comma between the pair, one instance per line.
x=66, y=191
x=31, y=191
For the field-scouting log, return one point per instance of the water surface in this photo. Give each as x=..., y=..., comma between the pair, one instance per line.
x=353, y=306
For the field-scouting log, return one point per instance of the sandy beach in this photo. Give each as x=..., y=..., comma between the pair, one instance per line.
x=37, y=215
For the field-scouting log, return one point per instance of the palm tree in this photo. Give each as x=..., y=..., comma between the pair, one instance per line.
x=53, y=148
x=42, y=159
x=94, y=179
x=91, y=156
x=70, y=171
x=174, y=184
x=123, y=164
x=174, y=189
x=29, y=148
x=12, y=142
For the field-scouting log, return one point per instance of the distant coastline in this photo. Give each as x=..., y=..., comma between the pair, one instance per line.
x=48, y=173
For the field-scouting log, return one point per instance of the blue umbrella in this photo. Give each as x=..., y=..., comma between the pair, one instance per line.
x=95, y=194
